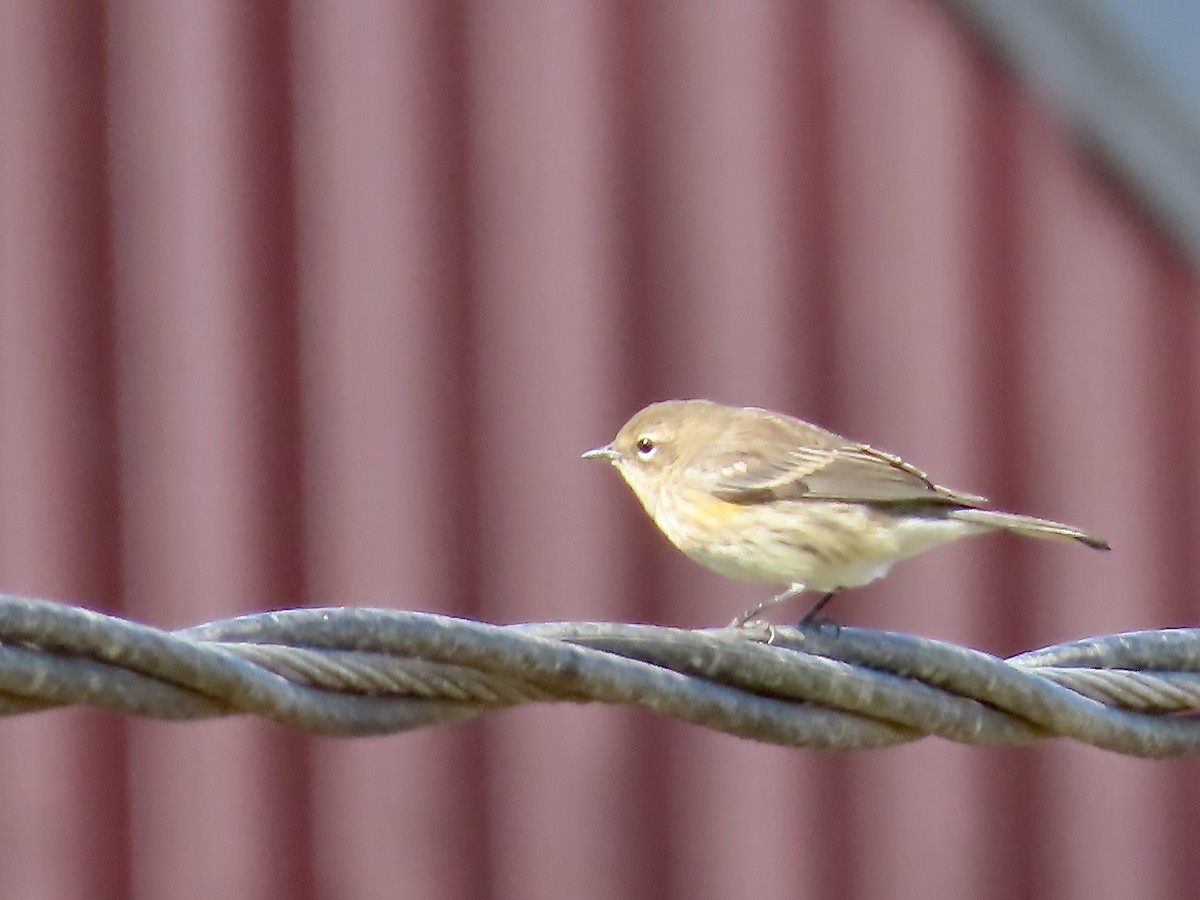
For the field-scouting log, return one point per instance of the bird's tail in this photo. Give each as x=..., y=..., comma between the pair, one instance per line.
x=1028, y=525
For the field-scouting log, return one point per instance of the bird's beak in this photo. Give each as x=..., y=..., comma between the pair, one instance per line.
x=605, y=452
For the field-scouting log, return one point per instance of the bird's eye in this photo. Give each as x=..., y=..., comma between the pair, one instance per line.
x=645, y=446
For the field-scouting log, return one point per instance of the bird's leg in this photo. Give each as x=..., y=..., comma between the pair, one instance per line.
x=811, y=615
x=751, y=614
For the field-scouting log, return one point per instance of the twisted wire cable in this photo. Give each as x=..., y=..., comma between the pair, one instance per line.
x=354, y=671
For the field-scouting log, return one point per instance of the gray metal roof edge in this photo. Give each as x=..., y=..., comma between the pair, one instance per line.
x=1113, y=93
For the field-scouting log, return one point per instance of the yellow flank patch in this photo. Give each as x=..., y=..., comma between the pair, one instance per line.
x=712, y=509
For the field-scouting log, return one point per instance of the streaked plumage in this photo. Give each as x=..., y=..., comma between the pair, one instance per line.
x=763, y=496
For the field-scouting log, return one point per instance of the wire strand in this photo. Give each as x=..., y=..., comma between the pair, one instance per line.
x=353, y=671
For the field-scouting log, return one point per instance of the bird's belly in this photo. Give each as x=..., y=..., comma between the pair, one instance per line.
x=824, y=546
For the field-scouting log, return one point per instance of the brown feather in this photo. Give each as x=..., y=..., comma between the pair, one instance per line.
x=793, y=460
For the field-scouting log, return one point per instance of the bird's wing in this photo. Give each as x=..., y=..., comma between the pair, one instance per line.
x=819, y=466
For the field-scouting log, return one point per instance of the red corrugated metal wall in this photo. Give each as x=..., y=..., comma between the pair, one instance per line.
x=319, y=304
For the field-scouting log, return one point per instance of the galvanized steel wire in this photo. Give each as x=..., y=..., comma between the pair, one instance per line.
x=353, y=671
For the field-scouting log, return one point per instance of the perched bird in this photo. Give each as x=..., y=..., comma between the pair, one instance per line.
x=762, y=496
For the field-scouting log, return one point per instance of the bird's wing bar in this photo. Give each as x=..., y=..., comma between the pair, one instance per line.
x=848, y=473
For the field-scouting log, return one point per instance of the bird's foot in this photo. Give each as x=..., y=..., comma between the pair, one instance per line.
x=809, y=619
x=751, y=614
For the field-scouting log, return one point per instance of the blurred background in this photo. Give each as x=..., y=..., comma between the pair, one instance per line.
x=318, y=303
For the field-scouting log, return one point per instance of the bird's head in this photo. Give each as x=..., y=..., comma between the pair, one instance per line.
x=650, y=444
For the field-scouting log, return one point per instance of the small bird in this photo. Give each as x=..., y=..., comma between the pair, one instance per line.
x=762, y=496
